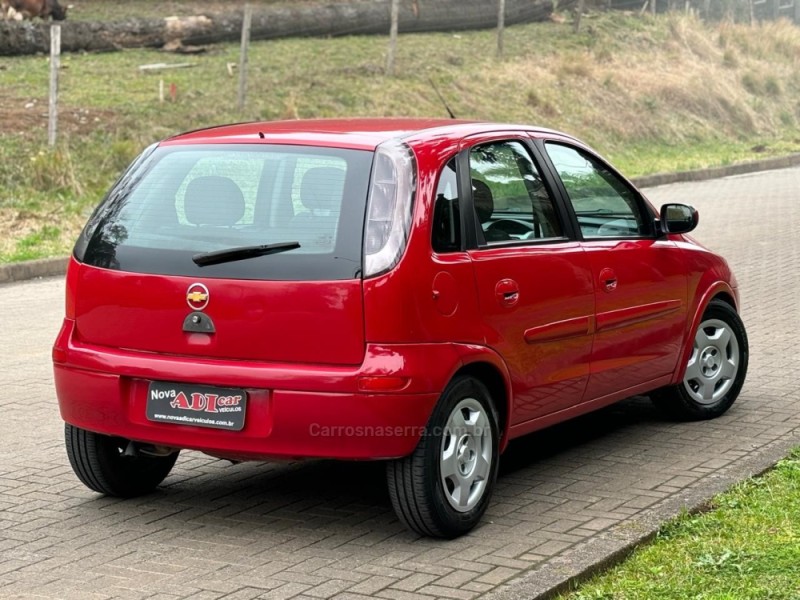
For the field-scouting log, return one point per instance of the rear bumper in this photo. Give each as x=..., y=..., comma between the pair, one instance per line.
x=293, y=411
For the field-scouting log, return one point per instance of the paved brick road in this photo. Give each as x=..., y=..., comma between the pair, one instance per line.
x=566, y=497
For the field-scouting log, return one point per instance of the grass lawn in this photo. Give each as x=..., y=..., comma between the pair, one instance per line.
x=747, y=547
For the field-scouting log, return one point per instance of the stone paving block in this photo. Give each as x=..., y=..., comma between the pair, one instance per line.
x=497, y=575
x=451, y=565
x=351, y=596
x=413, y=582
x=204, y=595
x=443, y=592
x=394, y=594
x=474, y=586
x=372, y=585
x=329, y=588
x=458, y=579
x=333, y=573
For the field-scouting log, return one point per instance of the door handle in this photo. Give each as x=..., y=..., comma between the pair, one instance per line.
x=608, y=280
x=507, y=292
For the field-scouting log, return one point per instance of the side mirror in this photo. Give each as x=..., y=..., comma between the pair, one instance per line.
x=678, y=218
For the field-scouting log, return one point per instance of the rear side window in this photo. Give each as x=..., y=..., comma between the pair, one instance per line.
x=446, y=216
x=188, y=200
x=510, y=199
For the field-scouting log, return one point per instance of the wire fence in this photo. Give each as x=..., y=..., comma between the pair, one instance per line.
x=714, y=10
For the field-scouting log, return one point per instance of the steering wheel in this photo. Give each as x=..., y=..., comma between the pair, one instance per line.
x=616, y=228
x=510, y=226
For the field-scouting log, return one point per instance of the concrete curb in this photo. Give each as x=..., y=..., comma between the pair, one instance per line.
x=579, y=563
x=766, y=164
x=32, y=269
x=51, y=267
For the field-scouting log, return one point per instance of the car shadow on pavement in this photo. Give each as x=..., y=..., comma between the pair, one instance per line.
x=527, y=450
x=300, y=496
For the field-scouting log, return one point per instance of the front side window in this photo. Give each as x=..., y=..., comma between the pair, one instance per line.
x=604, y=205
x=510, y=199
x=185, y=201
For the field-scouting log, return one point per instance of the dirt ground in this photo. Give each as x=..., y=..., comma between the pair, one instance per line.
x=28, y=117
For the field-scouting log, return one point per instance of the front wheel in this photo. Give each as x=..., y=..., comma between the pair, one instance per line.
x=101, y=464
x=715, y=371
x=443, y=488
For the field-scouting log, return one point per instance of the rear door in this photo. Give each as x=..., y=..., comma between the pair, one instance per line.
x=141, y=288
x=639, y=279
x=534, y=282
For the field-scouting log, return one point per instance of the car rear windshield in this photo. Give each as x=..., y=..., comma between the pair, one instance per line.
x=177, y=202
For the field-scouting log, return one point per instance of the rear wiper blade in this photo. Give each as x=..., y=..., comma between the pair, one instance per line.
x=231, y=254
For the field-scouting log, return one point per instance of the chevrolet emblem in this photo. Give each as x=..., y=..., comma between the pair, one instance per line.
x=197, y=296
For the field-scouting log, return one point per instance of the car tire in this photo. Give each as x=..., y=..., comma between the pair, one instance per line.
x=443, y=488
x=716, y=369
x=99, y=462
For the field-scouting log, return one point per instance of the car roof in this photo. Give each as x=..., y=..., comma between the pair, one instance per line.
x=362, y=134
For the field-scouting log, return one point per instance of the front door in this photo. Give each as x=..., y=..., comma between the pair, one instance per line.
x=639, y=278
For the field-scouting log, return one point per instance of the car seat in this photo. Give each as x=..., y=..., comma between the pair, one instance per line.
x=321, y=191
x=214, y=201
x=483, y=201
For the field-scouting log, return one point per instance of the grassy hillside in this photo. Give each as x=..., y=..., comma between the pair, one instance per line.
x=651, y=94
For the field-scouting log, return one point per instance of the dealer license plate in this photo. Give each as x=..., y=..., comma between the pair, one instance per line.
x=198, y=405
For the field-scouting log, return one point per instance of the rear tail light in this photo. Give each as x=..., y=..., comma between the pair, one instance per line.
x=71, y=288
x=391, y=199
x=59, y=351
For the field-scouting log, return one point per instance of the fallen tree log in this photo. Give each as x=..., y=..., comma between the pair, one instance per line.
x=270, y=22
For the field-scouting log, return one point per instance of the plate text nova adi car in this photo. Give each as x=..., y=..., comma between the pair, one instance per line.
x=415, y=291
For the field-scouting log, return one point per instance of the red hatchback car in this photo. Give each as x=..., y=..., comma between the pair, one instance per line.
x=419, y=291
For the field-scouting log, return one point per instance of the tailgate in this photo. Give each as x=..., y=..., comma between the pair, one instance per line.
x=283, y=321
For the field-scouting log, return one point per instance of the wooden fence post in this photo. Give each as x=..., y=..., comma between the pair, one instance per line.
x=501, y=25
x=578, y=14
x=390, y=56
x=55, y=63
x=246, y=24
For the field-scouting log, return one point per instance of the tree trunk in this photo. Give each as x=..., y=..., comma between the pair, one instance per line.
x=271, y=22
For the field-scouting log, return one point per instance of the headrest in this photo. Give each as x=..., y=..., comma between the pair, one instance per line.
x=322, y=188
x=213, y=200
x=482, y=200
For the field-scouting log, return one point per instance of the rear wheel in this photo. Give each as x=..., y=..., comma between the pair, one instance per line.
x=443, y=488
x=716, y=369
x=101, y=463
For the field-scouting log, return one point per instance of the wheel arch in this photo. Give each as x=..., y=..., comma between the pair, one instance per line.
x=726, y=298
x=720, y=290
x=490, y=370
